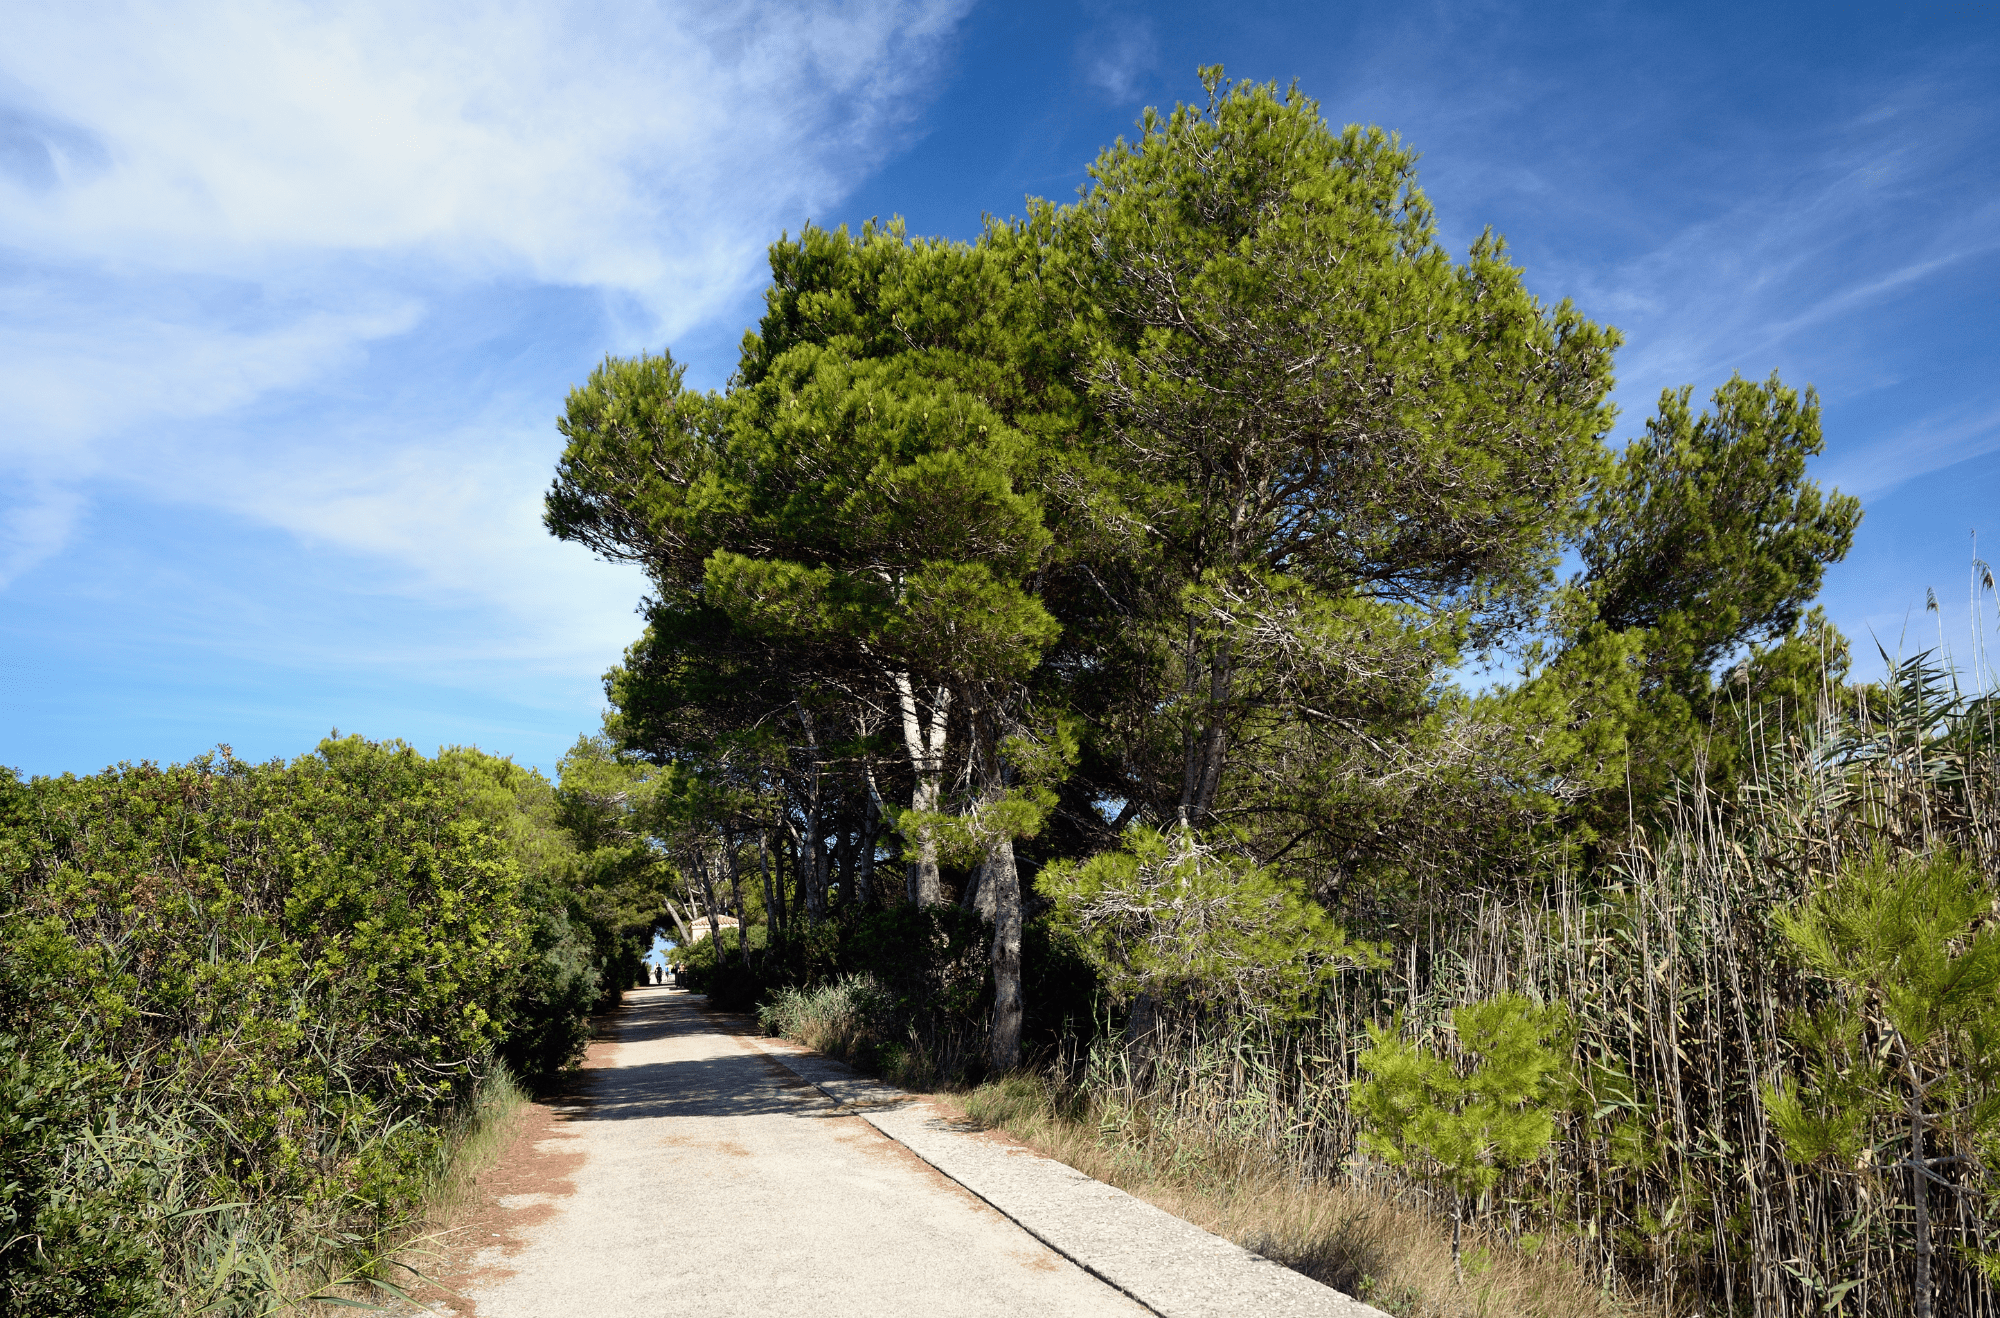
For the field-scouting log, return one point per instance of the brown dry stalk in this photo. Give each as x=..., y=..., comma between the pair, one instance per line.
x=1393, y=1255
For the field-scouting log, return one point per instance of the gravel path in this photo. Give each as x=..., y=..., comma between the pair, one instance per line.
x=712, y=1173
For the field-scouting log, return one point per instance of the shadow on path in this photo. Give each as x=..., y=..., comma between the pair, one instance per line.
x=742, y=1083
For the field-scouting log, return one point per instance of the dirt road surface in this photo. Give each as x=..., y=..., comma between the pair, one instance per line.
x=701, y=1171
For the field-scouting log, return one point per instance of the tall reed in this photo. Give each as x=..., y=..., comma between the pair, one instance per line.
x=1666, y=1179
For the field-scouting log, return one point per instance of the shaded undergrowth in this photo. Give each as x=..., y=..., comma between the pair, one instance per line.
x=1390, y=1254
x=1366, y=1244
x=1667, y=1185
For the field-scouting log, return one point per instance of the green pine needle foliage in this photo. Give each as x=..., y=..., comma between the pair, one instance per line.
x=1171, y=912
x=1474, y=1112
x=1912, y=953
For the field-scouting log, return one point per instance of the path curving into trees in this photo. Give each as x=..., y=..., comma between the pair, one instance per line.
x=713, y=1181
x=703, y=1173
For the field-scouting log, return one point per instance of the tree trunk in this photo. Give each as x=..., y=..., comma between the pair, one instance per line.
x=778, y=883
x=680, y=924
x=1457, y=1220
x=980, y=896
x=701, y=865
x=999, y=893
x=845, y=852
x=878, y=816
x=924, y=742
x=811, y=881
x=812, y=857
x=736, y=895
x=1920, y=1197
x=771, y=911
x=1204, y=753
x=1002, y=881
x=1142, y=1037
x=864, y=869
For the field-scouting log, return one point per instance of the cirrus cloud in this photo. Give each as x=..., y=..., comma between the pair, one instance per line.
x=212, y=210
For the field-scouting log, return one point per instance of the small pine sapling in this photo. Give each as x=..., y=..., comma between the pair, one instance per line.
x=1181, y=913
x=1912, y=1032
x=1474, y=1114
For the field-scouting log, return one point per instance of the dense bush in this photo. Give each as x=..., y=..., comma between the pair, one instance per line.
x=847, y=1017
x=562, y=982
x=726, y=984
x=928, y=988
x=242, y=1004
x=571, y=963
x=85, y=1256
x=1770, y=997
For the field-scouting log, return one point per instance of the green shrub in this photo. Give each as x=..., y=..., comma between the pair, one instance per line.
x=242, y=1005
x=1473, y=1115
x=66, y=1217
x=576, y=961
x=562, y=981
x=1907, y=1051
x=852, y=1017
x=929, y=989
x=1175, y=913
x=727, y=985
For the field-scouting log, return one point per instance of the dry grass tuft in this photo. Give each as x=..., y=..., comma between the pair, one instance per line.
x=1393, y=1256
x=480, y=1135
x=477, y=1142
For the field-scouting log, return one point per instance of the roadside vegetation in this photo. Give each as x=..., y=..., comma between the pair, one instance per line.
x=1772, y=1007
x=1392, y=1254
x=251, y=1012
x=1192, y=673
x=1170, y=583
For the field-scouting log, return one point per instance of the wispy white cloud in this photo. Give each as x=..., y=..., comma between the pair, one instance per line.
x=1737, y=290
x=35, y=519
x=209, y=208
x=1915, y=450
x=1720, y=234
x=615, y=145
x=1117, y=55
x=450, y=520
x=80, y=360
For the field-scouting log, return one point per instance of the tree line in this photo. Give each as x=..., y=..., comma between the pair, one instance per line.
x=1201, y=649
x=1185, y=566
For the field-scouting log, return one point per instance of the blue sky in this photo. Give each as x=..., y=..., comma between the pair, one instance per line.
x=290, y=294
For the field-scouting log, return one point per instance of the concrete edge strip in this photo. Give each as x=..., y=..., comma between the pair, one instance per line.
x=1341, y=1304
x=853, y=1109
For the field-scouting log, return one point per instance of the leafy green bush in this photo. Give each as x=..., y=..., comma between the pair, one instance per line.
x=1174, y=912
x=696, y=966
x=931, y=960
x=1908, y=1050
x=930, y=988
x=562, y=982
x=66, y=1226
x=846, y=1018
x=565, y=974
x=240, y=1008
x=728, y=984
